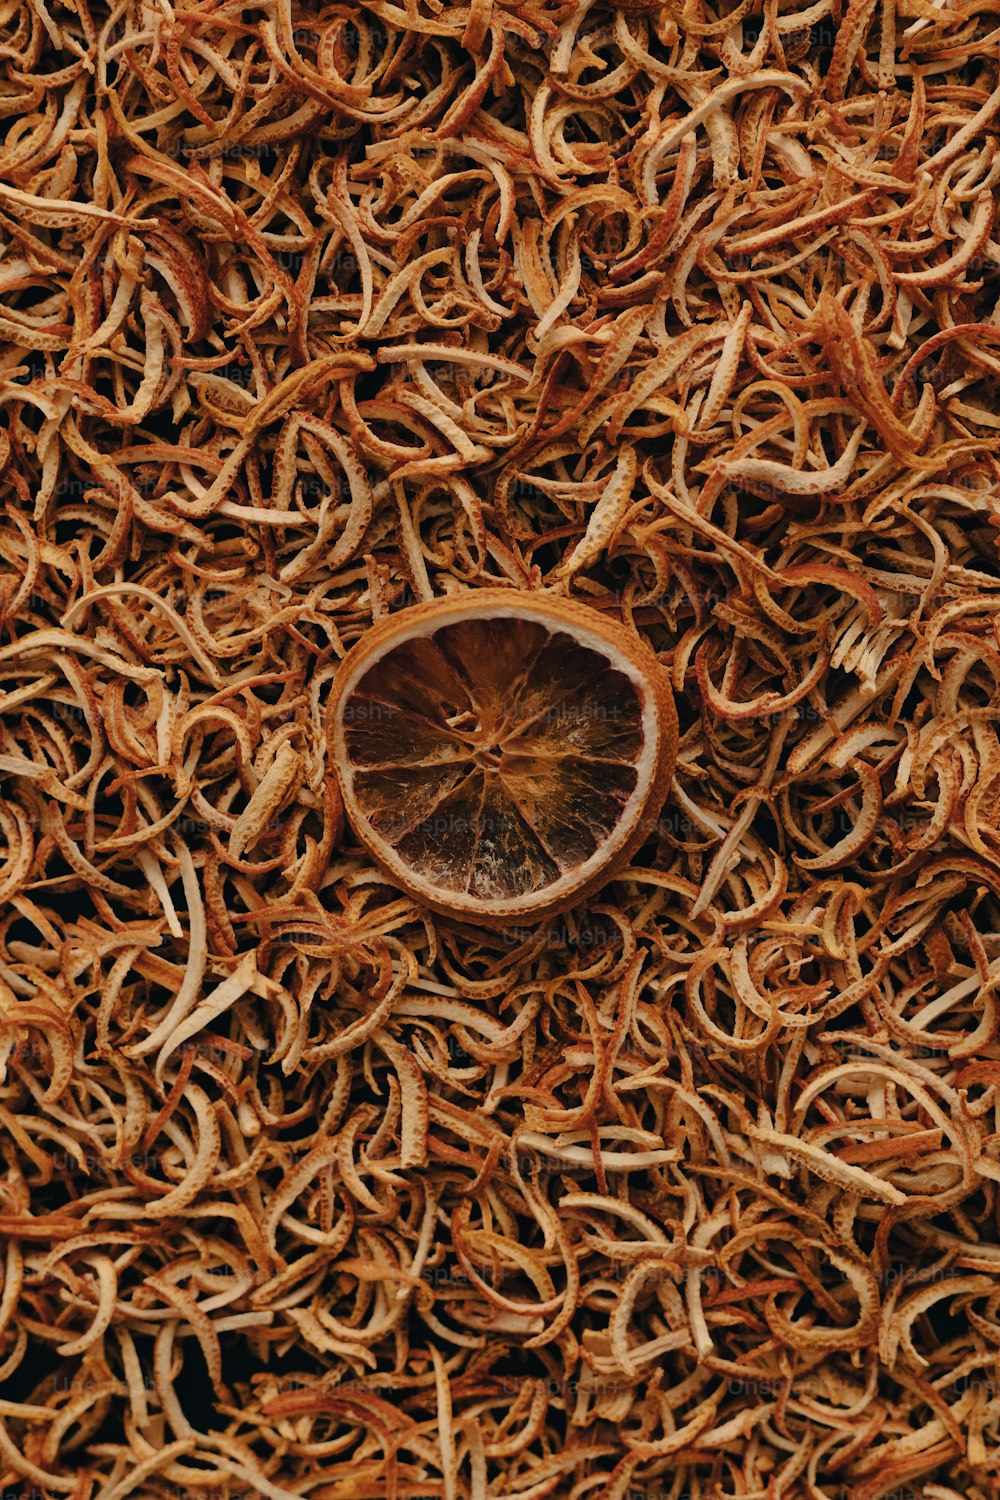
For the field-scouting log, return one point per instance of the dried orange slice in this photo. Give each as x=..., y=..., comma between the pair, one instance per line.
x=501, y=754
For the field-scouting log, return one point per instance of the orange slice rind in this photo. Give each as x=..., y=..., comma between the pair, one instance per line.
x=501, y=754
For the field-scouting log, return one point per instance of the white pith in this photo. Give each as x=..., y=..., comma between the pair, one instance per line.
x=645, y=766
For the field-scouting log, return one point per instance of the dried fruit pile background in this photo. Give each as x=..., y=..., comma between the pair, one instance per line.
x=692, y=314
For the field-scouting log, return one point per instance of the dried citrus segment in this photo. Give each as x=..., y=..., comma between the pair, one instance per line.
x=501, y=754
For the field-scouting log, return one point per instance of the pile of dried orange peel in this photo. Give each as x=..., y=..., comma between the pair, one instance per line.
x=499, y=1091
